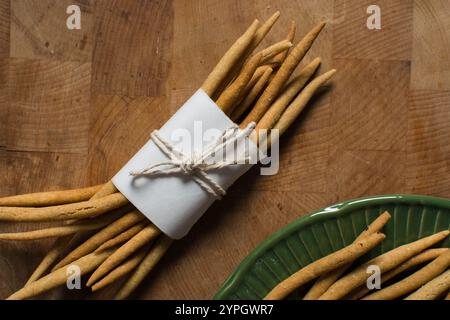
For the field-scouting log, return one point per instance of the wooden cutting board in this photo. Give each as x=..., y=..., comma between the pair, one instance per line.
x=76, y=104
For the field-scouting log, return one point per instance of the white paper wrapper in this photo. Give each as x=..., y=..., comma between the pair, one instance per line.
x=175, y=202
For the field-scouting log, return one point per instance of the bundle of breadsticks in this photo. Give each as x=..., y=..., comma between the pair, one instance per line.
x=334, y=277
x=101, y=232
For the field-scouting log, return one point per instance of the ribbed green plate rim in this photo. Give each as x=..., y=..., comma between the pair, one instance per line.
x=334, y=211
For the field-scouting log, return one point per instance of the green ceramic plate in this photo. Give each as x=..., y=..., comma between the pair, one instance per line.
x=325, y=231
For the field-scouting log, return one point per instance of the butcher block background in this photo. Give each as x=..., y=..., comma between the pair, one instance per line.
x=76, y=104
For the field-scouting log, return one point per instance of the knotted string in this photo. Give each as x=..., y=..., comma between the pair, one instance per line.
x=195, y=165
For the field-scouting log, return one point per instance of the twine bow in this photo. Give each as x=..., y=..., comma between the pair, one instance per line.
x=195, y=165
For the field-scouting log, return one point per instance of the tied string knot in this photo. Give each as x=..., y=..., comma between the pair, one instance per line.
x=195, y=165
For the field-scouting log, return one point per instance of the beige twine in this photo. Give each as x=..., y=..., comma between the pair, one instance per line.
x=195, y=165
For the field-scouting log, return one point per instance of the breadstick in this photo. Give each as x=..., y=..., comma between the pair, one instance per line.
x=259, y=72
x=263, y=30
x=150, y=261
x=296, y=106
x=99, y=238
x=79, y=210
x=61, y=244
x=279, y=58
x=385, y=262
x=414, y=281
x=325, y=281
x=123, y=269
x=59, y=277
x=275, y=111
x=123, y=237
x=50, y=258
x=235, y=91
x=146, y=235
x=433, y=289
x=50, y=198
x=423, y=257
x=283, y=74
x=251, y=95
x=231, y=94
x=277, y=48
x=61, y=230
x=260, y=34
x=230, y=58
x=324, y=265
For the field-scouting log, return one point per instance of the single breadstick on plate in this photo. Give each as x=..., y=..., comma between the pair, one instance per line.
x=231, y=57
x=150, y=261
x=123, y=237
x=325, y=281
x=433, y=289
x=299, y=103
x=146, y=235
x=59, y=277
x=123, y=269
x=423, y=257
x=275, y=111
x=385, y=262
x=414, y=281
x=79, y=210
x=251, y=95
x=235, y=91
x=86, y=225
x=279, y=58
x=50, y=198
x=324, y=265
x=61, y=244
x=102, y=236
x=283, y=74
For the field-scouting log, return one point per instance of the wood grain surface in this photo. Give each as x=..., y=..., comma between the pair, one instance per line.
x=76, y=104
